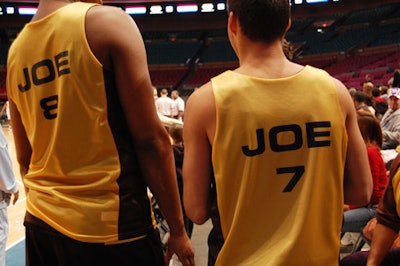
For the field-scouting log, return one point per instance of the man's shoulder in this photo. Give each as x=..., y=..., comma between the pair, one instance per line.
x=397, y=114
x=110, y=15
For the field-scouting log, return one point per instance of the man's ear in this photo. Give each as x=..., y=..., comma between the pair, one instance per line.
x=233, y=30
x=289, y=25
x=232, y=23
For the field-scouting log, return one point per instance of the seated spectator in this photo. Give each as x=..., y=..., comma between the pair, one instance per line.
x=379, y=103
x=388, y=222
x=396, y=77
x=391, y=121
x=352, y=90
x=356, y=217
x=367, y=88
x=359, y=100
x=384, y=90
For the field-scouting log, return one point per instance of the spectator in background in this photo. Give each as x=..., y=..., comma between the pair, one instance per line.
x=384, y=89
x=367, y=79
x=165, y=105
x=6, y=110
x=175, y=131
x=396, y=77
x=367, y=88
x=352, y=90
x=359, y=100
x=391, y=120
x=8, y=187
x=155, y=94
x=288, y=49
x=356, y=217
x=380, y=104
x=179, y=105
x=280, y=193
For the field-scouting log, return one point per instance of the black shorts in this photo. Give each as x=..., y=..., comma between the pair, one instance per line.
x=47, y=247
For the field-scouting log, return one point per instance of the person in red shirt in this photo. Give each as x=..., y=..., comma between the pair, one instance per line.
x=356, y=217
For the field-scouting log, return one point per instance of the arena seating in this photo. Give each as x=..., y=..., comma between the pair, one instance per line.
x=347, y=45
x=359, y=42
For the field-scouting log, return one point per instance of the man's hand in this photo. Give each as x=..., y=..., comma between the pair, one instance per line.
x=182, y=247
x=16, y=196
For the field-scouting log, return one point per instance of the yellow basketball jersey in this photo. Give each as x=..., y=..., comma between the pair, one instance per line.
x=82, y=152
x=278, y=157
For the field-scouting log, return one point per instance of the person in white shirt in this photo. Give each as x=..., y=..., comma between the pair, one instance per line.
x=391, y=120
x=6, y=110
x=179, y=107
x=165, y=105
x=8, y=187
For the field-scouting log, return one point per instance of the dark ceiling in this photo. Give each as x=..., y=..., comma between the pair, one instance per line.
x=202, y=21
x=341, y=5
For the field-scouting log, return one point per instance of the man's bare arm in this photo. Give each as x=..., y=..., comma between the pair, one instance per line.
x=382, y=241
x=123, y=52
x=198, y=131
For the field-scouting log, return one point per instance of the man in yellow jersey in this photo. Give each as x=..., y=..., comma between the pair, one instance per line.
x=89, y=141
x=283, y=144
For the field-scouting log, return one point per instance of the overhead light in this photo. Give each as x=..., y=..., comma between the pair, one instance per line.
x=169, y=9
x=207, y=8
x=156, y=10
x=10, y=10
x=27, y=10
x=136, y=10
x=316, y=1
x=187, y=8
x=221, y=6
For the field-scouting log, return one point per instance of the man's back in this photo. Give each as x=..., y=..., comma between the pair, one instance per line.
x=278, y=168
x=80, y=103
x=165, y=106
x=68, y=104
x=283, y=143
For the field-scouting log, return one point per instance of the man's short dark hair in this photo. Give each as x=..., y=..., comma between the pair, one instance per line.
x=360, y=97
x=261, y=20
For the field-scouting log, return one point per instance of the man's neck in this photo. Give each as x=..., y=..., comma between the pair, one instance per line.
x=47, y=7
x=264, y=60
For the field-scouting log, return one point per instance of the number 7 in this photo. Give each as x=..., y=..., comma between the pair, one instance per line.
x=298, y=173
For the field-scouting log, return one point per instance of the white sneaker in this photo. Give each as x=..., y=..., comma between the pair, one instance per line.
x=347, y=239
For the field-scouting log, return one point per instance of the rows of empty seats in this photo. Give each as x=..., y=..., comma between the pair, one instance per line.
x=356, y=30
